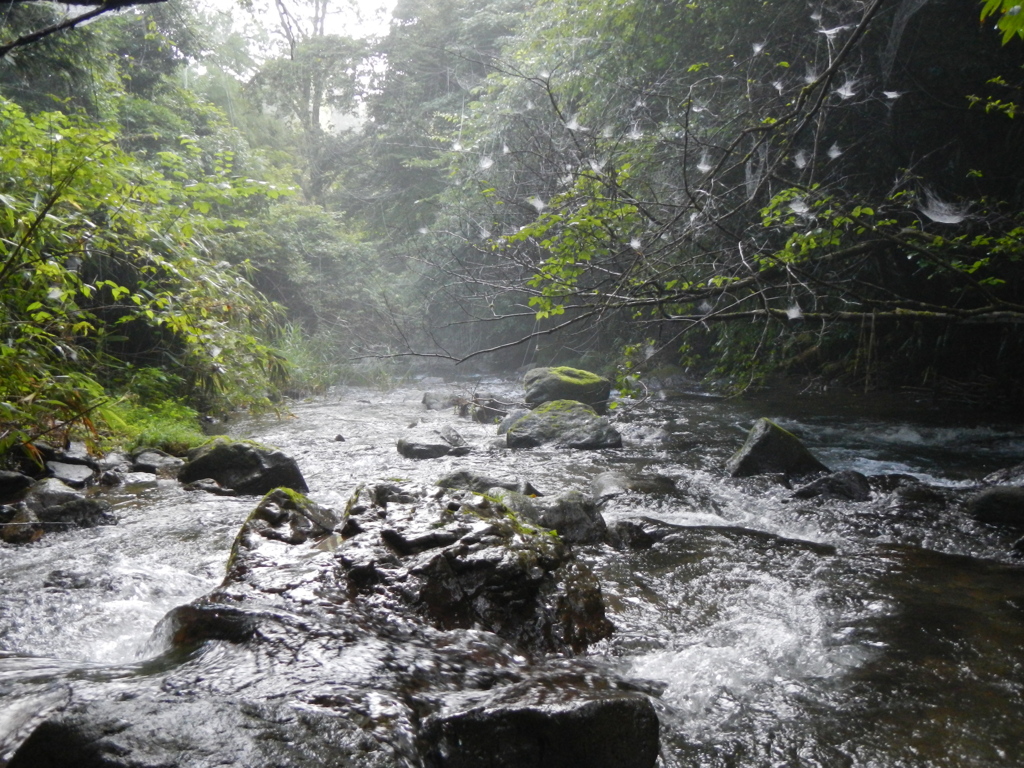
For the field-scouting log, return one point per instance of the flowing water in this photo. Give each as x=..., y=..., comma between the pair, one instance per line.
x=769, y=631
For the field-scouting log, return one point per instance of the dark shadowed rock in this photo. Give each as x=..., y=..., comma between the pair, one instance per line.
x=243, y=467
x=544, y=385
x=468, y=480
x=19, y=524
x=563, y=424
x=13, y=485
x=613, y=483
x=613, y=732
x=77, y=513
x=847, y=484
x=1001, y=505
x=769, y=448
x=575, y=517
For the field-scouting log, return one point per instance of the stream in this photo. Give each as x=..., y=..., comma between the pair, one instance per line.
x=767, y=631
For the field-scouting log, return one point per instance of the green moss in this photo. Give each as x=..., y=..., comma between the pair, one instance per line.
x=577, y=376
x=562, y=406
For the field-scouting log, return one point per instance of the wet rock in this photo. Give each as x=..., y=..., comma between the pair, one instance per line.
x=545, y=385
x=19, y=524
x=245, y=468
x=156, y=462
x=72, y=475
x=384, y=493
x=847, y=484
x=563, y=424
x=77, y=513
x=458, y=571
x=1008, y=476
x=13, y=485
x=428, y=447
x=769, y=448
x=451, y=436
x=518, y=504
x=438, y=401
x=614, y=483
x=188, y=626
x=511, y=418
x=574, y=516
x=50, y=492
x=479, y=483
x=1001, y=505
x=287, y=516
x=200, y=732
x=614, y=732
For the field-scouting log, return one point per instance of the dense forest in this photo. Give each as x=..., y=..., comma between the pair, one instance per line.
x=206, y=209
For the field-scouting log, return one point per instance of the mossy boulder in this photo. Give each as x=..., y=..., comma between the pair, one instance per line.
x=771, y=449
x=246, y=468
x=564, y=424
x=544, y=385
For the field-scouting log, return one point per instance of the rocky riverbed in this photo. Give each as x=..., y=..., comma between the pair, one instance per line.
x=418, y=611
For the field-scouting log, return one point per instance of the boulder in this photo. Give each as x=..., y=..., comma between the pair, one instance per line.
x=156, y=462
x=431, y=445
x=511, y=418
x=563, y=424
x=615, y=482
x=574, y=516
x=769, y=449
x=847, y=484
x=544, y=385
x=73, y=475
x=469, y=480
x=612, y=732
x=1000, y=505
x=245, y=468
x=488, y=409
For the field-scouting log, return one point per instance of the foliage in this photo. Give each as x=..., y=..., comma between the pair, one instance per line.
x=103, y=258
x=663, y=165
x=1010, y=21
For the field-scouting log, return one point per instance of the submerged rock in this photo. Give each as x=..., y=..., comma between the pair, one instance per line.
x=245, y=468
x=615, y=482
x=545, y=385
x=563, y=424
x=438, y=401
x=847, y=484
x=769, y=448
